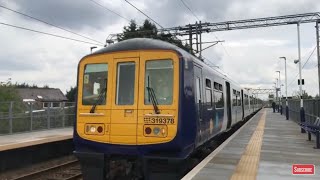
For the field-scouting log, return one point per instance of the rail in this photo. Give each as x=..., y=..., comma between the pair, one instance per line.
x=66, y=171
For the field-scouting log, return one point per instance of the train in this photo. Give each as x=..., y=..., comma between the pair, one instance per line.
x=142, y=99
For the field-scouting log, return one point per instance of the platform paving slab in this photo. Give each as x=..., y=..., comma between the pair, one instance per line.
x=13, y=141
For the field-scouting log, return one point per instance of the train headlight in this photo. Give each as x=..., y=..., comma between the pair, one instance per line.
x=92, y=129
x=156, y=130
x=95, y=129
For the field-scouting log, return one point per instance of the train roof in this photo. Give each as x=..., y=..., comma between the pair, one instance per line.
x=138, y=44
x=151, y=44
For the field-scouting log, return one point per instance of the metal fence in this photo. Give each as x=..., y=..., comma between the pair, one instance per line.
x=17, y=117
x=311, y=108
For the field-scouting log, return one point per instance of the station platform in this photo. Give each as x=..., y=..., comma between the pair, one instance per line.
x=15, y=141
x=266, y=147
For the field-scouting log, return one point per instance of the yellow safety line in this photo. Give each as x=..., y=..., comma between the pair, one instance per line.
x=248, y=165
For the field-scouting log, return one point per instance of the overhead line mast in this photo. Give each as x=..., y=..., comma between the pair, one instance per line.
x=206, y=27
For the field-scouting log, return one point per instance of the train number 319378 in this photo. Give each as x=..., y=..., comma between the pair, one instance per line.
x=158, y=120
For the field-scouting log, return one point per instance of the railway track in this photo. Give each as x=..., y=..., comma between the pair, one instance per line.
x=69, y=170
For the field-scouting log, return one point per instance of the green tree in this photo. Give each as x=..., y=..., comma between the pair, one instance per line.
x=7, y=94
x=149, y=30
x=129, y=31
x=304, y=95
x=25, y=85
x=71, y=94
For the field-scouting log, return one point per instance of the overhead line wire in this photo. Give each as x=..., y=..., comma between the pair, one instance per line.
x=303, y=66
x=144, y=14
x=37, y=19
x=49, y=34
x=309, y=57
x=190, y=10
x=109, y=10
x=199, y=20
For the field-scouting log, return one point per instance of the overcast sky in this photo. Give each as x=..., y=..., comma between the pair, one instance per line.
x=250, y=56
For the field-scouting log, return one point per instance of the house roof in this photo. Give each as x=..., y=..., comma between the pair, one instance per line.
x=42, y=94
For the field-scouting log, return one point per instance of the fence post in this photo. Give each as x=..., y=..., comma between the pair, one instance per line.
x=287, y=110
x=63, y=114
x=31, y=115
x=314, y=110
x=48, y=114
x=302, y=118
x=10, y=116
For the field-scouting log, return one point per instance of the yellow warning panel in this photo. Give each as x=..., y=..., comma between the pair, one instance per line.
x=248, y=165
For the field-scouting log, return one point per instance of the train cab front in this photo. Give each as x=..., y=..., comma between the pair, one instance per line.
x=127, y=104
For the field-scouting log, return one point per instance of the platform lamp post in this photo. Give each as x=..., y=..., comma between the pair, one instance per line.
x=302, y=113
x=275, y=87
x=279, y=84
x=277, y=93
x=285, y=71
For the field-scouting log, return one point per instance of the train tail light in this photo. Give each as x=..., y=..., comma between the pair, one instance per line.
x=99, y=129
x=147, y=130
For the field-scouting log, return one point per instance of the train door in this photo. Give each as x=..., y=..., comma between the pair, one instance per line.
x=199, y=99
x=228, y=105
x=124, y=115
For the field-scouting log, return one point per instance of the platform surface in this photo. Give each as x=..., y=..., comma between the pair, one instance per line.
x=15, y=141
x=265, y=148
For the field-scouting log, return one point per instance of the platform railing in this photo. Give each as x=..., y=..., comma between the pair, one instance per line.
x=18, y=117
x=311, y=108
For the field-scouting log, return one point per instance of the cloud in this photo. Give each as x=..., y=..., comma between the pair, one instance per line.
x=249, y=56
x=69, y=14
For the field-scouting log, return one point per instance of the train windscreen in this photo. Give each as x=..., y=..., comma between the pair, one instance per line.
x=94, y=84
x=159, y=78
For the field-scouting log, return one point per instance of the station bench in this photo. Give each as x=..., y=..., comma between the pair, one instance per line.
x=312, y=129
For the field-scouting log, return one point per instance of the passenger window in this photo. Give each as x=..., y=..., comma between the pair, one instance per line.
x=125, y=83
x=198, y=89
x=246, y=100
x=208, y=83
x=208, y=93
x=234, y=100
x=216, y=86
x=209, y=97
x=218, y=99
